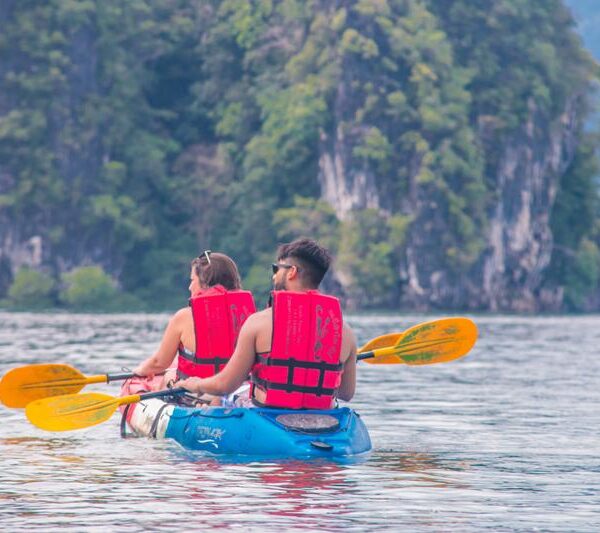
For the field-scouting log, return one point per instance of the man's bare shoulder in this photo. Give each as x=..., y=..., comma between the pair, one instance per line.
x=348, y=333
x=348, y=342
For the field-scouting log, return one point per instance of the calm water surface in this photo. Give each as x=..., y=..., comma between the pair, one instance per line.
x=507, y=439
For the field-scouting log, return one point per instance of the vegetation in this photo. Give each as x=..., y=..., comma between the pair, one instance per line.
x=31, y=290
x=134, y=134
x=88, y=288
x=576, y=228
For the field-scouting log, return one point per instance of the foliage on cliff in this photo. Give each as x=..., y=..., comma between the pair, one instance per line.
x=134, y=134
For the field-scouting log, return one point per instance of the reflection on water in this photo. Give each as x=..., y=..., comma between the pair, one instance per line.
x=420, y=468
x=505, y=439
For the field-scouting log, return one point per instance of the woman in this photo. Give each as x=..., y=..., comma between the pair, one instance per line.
x=203, y=334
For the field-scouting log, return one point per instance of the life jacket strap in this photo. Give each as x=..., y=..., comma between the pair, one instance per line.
x=318, y=390
x=205, y=360
x=292, y=363
x=216, y=362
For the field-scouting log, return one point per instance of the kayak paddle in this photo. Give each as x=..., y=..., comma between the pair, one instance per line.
x=25, y=384
x=78, y=411
x=432, y=342
x=438, y=341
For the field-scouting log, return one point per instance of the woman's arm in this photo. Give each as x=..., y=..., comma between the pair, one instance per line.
x=164, y=356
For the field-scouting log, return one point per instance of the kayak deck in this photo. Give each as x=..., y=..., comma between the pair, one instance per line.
x=254, y=431
x=247, y=431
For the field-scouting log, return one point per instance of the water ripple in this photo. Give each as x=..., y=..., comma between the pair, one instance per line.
x=505, y=439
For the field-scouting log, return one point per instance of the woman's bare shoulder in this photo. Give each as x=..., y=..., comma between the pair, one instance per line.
x=260, y=317
x=183, y=316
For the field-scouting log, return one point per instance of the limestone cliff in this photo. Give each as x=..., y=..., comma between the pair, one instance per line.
x=441, y=133
x=509, y=274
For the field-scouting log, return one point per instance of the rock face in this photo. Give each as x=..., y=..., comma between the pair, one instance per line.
x=65, y=168
x=344, y=185
x=509, y=273
x=520, y=239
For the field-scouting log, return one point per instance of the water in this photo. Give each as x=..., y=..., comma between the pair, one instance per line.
x=506, y=439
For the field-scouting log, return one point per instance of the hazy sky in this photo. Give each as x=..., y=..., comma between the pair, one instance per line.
x=587, y=14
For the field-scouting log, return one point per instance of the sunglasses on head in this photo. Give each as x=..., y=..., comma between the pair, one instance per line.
x=277, y=266
x=205, y=255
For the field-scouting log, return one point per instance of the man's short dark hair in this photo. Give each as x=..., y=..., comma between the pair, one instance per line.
x=313, y=260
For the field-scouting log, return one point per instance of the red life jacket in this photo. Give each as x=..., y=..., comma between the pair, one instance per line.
x=303, y=369
x=218, y=316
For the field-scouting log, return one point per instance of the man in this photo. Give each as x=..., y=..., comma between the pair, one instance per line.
x=299, y=353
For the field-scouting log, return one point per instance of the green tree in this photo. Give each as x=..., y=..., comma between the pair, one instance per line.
x=88, y=289
x=582, y=276
x=31, y=289
x=367, y=252
x=575, y=227
x=308, y=217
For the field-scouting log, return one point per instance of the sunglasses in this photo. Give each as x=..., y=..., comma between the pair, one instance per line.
x=205, y=255
x=277, y=266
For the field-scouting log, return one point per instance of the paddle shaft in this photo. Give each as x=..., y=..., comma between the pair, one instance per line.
x=134, y=398
x=157, y=394
x=107, y=378
x=100, y=378
x=396, y=350
x=118, y=377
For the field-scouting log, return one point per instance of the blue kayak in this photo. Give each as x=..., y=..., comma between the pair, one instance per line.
x=253, y=431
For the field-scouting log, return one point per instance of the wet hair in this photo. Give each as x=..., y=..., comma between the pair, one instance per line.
x=217, y=269
x=313, y=260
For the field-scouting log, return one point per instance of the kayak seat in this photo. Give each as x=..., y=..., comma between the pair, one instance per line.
x=308, y=422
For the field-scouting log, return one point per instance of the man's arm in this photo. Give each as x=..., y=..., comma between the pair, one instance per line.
x=236, y=370
x=348, y=385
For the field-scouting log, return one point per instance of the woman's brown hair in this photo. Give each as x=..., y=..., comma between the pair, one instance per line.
x=217, y=269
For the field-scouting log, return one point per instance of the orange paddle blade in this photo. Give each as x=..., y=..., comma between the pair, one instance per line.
x=22, y=385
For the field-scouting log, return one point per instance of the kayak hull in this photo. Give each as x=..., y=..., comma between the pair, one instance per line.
x=253, y=431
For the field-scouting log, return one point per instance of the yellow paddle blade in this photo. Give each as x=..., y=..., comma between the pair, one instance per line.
x=381, y=342
x=77, y=411
x=23, y=385
x=72, y=411
x=438, y=341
